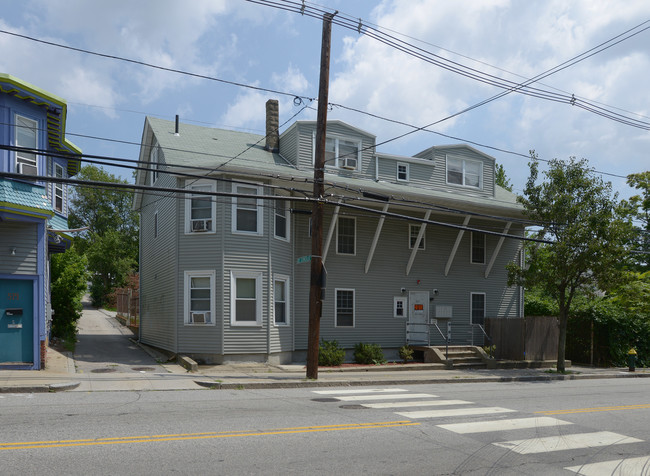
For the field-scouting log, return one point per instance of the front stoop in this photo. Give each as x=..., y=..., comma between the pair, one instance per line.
x=456, y=357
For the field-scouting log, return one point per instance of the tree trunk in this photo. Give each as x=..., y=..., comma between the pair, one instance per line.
x=561, y=346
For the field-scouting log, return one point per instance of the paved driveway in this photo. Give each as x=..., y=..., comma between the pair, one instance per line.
x=104, y=346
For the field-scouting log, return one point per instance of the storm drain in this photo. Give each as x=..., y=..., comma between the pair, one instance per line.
x=353, y=407
x=143, y=369
x=103, y=371
x=325, y=400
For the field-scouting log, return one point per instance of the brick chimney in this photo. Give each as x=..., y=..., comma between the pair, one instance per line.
x=272, y=125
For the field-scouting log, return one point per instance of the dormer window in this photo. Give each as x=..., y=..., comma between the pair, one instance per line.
x=467, y=173
x=402, y=172
x=342, y=153
x=26, y=136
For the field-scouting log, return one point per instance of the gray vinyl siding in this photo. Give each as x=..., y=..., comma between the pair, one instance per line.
x=23, y=237
x=289, y=144
x=158, y=263
x=306, y=132
x=438, y=157
x=420, y=174
x=374, y=291
x=201, y=252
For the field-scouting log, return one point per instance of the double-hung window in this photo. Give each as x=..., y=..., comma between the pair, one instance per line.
x=199, y=297
x=478, y=248
x=399, y=306
x=414, y=231
x=281, y=300
x=281, y=223
x=342, y=153
x=154, y=160
x=58, y=188
x=477, y=303
x=247, y=211
x=402, y=172
x=344, y=308
x=245, y=298
x=468, y=173
x=26, y=136
x=200, y=209
x=346, y=236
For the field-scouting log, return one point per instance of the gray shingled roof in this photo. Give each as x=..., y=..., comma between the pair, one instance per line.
x=233, y=151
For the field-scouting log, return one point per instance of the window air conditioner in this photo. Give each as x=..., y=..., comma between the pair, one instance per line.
x=198, y=317
x=201, y=225
x=27, y=169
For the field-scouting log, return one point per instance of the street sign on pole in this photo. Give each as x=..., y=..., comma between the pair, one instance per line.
x=304, y=259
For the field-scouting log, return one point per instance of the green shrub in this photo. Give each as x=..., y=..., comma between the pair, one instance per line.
x=406, y=353
x=330, y=354
x=368, y=354
x=68, y=285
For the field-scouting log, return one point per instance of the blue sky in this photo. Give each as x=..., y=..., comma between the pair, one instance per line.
x=254, y=44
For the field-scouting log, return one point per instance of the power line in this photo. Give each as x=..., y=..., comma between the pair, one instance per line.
x=307, y=199
x=154, y=66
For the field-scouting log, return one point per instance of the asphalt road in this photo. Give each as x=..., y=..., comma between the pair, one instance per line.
x=468, y=429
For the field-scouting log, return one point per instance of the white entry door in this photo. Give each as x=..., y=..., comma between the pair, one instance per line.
x=417, y=328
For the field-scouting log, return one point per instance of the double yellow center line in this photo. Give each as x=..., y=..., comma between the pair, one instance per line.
x=595, y=409
x=123, y=440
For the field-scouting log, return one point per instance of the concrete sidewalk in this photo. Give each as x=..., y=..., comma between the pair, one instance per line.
x=108, y=358
x=60, y=375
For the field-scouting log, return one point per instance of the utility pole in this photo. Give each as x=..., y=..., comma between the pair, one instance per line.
x=316, y=277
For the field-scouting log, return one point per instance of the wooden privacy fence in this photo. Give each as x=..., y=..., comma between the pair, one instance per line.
x=128, y=305
x=529, y=338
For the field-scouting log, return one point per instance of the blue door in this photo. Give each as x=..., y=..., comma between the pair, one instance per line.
x=16, y=321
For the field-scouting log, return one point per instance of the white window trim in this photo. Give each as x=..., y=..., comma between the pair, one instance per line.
x=404, y=301
x=408, y=172
x=471, y=248
x=287, y=217
x=338, y=138
x=471, y=307
x=260, y=212
x=338, y=221
x=17, y=154
x=354, y=308
x=423, y=243
x=285, y=279
x=234, y=275
x=463, y=162
x=187, y=291
x=188, y=208
x=58, y=186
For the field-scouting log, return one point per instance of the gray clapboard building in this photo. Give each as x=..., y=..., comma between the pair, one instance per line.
x=224, y=276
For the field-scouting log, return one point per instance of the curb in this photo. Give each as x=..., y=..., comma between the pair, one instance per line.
x=214, y=385
x=45, y=388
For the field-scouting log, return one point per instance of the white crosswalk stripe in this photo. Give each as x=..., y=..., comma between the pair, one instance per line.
x=454, y=412
x=397, y=396
x=359, y=390
x=422, y=403
x=566, y=442
x=618, y=467
x=503, y=425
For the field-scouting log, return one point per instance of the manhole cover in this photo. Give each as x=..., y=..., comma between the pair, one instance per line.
x=353, y=407
x=143, y=369
x=102, y=371
x=325, y=400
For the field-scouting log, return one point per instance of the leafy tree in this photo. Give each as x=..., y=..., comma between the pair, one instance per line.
x=639, y=207
x=111, y=241
x=501, y=178
x=109, y=266
x=576, y=212
x=68, y=284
